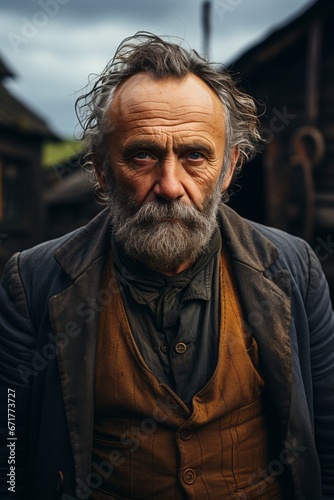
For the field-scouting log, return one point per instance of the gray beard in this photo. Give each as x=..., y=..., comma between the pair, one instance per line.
x=162, y=235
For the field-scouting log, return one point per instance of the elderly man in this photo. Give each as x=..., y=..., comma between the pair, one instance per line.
x=169, y=349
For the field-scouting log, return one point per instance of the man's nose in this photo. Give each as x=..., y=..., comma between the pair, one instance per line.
x=169, y=180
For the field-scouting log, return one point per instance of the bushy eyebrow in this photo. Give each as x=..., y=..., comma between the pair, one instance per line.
x=154, y=148
x=134, y=147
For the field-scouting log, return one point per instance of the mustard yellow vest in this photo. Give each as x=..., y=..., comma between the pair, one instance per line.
x=148, y=444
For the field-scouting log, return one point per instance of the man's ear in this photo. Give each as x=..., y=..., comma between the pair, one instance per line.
x=230, y=171
x=100, y=174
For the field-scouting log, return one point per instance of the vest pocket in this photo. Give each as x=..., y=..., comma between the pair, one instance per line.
x=100, y=495
x=253, y=449
x=142, y=459
x=111, y=451
x=267, y=489
x=109, y=433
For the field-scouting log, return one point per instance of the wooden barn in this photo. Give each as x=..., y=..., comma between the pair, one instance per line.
x=290, y=185
x=22, y=133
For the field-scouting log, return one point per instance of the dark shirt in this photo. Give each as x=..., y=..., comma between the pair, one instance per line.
x=182, y=354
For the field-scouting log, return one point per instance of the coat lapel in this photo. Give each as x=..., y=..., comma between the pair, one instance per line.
x=266, y=298
x=74, y=322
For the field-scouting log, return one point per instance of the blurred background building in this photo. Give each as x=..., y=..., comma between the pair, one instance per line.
x=290, y=185
x=22, y=209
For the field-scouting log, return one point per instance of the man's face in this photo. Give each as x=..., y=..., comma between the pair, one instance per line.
x=168, y=140
x=166, y=153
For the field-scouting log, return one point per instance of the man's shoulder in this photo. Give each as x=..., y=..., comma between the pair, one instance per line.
x=256, y=242
x=47, y=251
x=48, y=262
x=285, y=242
x=273, y=251
x=44, y=252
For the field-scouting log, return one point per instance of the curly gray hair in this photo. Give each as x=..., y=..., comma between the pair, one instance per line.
x=146, y=52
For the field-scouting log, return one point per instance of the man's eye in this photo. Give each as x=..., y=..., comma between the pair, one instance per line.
x=142, y=156
x=195, y=155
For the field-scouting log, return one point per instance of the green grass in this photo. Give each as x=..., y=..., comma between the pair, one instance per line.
x=58, y=152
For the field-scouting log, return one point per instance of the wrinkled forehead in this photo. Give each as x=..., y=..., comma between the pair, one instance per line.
x=166, y=95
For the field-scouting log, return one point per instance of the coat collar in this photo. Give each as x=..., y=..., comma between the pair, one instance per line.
x=87, y=245
x=246, y=244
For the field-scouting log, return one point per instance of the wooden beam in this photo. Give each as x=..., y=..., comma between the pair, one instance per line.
x=313, y=65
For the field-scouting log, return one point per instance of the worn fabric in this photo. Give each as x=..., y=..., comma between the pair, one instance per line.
x=217, y=449
x=50, y=298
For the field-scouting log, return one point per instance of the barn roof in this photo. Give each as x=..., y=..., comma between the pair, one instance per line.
x=4, y=70
x=281, y=38
x=16, y=116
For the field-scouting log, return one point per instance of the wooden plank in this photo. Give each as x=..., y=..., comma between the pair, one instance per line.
x=313, y=67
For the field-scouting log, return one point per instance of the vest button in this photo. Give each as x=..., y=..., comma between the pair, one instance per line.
x=164, y=348
x=189, y=476
x=186, y=434
x=180, y=348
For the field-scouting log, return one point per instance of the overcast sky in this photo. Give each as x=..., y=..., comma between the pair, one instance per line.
x=53, y=45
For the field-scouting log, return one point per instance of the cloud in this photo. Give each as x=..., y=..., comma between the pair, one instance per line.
x=88, y=12
x=63, y=41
